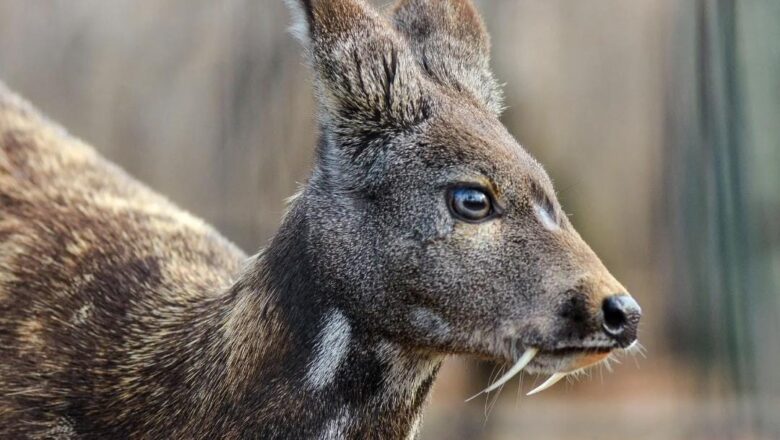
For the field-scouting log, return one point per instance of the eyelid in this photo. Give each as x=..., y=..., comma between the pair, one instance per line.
x=497, y=209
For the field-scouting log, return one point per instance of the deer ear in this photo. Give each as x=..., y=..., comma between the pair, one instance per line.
x=367, y=79
x=450, y=42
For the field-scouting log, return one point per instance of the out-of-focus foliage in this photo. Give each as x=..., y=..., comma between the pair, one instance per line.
x=722, y=182
x=659, y=121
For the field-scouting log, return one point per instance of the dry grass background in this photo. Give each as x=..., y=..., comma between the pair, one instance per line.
x=210, y=103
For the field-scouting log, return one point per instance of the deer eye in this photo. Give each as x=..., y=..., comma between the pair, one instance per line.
x=470, y=204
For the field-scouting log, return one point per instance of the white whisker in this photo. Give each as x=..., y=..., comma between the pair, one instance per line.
x=494, y=372
x=493, y=404
x=607, y=363
x=601, y=372
x=519, y=390
x=636, y=347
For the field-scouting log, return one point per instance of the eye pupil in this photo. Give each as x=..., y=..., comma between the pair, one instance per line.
x=474, y=204
x=470, y=204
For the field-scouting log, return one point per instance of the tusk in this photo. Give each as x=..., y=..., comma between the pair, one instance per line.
x=527, y=356
x=552, y=380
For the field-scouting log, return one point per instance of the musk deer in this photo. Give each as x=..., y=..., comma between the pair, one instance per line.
x=424, y=230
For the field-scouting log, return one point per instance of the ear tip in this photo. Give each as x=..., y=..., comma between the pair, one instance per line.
x=460, y=16
x=300, y=12
x=302, y=5
x=330, y=16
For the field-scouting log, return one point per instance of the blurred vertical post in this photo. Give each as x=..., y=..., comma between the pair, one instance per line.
x=722, y=165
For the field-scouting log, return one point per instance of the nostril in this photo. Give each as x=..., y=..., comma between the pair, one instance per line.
x=614, y=315
x=619, y=312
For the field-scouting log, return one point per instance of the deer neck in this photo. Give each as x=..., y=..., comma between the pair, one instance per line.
x=300, y=367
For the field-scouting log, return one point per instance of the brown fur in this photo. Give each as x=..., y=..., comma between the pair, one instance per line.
x=122, y=316
x=75, y=231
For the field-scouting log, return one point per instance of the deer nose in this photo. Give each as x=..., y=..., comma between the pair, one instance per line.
x=621, y=318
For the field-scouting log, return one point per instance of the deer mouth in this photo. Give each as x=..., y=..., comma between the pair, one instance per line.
x=575, y=351
x=559, y=362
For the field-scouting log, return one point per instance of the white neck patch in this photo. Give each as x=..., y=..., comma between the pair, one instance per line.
x=547, y=221
x=336, y=429
x=331, y=349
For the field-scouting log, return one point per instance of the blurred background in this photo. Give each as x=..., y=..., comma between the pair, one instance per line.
x=659, y=120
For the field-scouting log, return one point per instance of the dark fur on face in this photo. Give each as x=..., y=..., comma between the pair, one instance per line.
x=122, y=316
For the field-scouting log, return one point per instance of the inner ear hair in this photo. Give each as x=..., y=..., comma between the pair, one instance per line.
x=450, y=42
x=367, y=79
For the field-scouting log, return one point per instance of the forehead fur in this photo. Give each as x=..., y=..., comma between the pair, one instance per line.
x=472, y=145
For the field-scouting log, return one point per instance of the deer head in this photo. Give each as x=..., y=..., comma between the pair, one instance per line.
x=432, y=227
